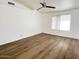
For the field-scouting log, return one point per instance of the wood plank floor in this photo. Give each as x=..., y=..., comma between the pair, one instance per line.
x=41, y=46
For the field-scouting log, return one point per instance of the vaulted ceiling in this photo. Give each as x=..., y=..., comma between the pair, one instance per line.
x=60, y=5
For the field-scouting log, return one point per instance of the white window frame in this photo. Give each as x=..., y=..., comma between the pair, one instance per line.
x=57, y=20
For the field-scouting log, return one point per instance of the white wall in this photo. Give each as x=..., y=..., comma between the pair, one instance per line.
x=74, y=32
x=17, y=22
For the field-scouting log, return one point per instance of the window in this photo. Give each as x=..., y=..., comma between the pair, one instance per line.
x=61, y=22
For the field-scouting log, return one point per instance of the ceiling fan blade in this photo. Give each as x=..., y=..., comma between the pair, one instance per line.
x=39, y=8
x=50, y=7
x=42, y=4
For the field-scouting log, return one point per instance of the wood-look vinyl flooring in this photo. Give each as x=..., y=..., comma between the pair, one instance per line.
x=41, y=46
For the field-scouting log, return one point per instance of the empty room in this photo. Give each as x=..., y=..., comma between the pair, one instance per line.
x=39, y=29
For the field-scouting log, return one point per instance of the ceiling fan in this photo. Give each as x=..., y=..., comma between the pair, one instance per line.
x=45, y=6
